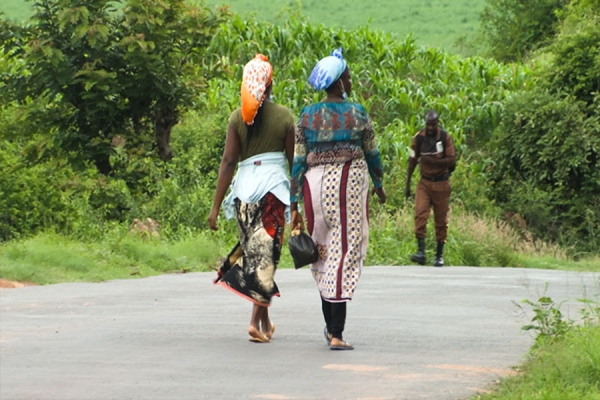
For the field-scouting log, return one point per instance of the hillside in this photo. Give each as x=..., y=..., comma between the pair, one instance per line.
x=436, y=23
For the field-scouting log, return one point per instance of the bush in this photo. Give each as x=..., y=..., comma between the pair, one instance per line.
x=576, y=67
x=183, y=198
x=31, y=198
x=548, y=167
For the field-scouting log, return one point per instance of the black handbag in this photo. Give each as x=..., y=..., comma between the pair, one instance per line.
x=302, y=248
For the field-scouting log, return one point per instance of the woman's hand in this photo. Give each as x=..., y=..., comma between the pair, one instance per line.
x=297, y=221
x=212, y=219
x=380, y=193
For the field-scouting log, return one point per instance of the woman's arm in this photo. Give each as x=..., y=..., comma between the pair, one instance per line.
x=289, y=147
x=373, y=159
x=297, y=176
x=229, y=161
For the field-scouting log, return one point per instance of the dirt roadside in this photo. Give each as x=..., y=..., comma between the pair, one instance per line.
x=6, y=284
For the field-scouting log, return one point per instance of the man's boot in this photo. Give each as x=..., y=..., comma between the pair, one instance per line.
x=439, y=261
x=419, y=256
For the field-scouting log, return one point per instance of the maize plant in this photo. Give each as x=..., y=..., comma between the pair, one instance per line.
x=396, y=81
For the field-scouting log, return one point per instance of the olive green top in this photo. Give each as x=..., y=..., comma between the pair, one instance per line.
x=276, y=122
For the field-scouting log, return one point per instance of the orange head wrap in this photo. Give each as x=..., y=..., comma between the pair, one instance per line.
x=256, y=78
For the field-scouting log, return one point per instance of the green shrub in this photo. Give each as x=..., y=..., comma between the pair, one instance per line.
x=547, y=167
x=183, y=198
x=32, y=198
x=576, y=66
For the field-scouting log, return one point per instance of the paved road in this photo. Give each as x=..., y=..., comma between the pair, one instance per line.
x=419, y=333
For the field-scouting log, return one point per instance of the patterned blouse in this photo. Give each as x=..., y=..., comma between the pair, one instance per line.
x=334, y=133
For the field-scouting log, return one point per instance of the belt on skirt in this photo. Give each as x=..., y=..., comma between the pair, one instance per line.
x=437, y=178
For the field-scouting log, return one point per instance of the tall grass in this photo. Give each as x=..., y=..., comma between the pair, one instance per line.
x=472, y=241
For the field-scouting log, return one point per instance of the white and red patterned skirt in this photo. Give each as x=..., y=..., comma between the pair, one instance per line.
x=336, y=210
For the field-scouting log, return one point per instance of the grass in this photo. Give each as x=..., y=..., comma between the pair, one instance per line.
x=565, y=369
x=49, y=258
x=473, y=241
x=564, y=362
x=434, y=23
x=17, y=10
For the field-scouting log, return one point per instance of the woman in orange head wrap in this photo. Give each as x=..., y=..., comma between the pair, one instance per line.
x=260, y=142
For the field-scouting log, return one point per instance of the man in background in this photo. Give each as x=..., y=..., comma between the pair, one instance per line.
x=433, y=149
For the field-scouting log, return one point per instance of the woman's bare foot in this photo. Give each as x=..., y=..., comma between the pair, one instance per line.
x=270, y=331
x=327, y=336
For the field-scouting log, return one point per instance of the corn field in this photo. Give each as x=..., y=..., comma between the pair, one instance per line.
x=396, y=81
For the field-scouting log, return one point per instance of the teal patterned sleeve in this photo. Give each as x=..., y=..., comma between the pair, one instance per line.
x=372, y=155
x=299, y=165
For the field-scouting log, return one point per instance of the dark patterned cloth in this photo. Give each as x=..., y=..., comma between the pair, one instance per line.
x=249, y=269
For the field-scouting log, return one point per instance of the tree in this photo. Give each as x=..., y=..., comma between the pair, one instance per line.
x=111, y=74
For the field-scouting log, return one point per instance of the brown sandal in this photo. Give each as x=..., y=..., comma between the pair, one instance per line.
x=257, y=336
x=344, y=346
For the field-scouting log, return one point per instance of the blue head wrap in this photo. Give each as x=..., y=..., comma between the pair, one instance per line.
x=328, y=70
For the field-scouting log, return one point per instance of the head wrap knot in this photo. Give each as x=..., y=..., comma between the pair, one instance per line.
x=257, y=76
x=328, y=70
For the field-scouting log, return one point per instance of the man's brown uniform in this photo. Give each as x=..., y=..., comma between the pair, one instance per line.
x=433, y=189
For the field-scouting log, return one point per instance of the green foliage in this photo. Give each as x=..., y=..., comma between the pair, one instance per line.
x=565, y=369
x=183, y=198
x=564, y=362
x=548, y=322
x=470, y=184
x=436, y=23
x=576, y=66
x=35, y=194
x=31, y=198
x=547, y=149
x=547, y=167
x=472, y=240
x=395, y=80
x=111, y=199
x=125, y=75
x=514, y=28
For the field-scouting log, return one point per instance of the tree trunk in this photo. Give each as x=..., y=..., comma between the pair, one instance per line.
x=102, y=162
x=165, y=120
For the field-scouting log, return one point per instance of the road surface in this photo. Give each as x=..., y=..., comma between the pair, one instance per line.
x=419, y=333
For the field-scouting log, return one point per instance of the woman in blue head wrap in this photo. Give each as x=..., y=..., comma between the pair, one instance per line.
x=334, y=158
